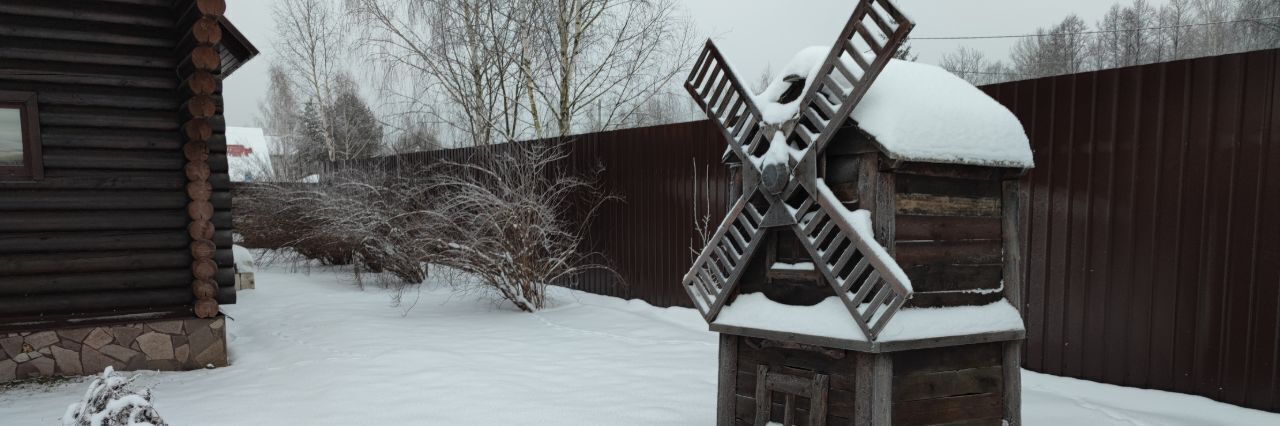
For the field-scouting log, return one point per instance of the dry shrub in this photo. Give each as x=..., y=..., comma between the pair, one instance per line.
x=515, y=219
x=509, y=215
x=362, y=218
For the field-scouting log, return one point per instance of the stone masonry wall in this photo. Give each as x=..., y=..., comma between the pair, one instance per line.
x=171, y=345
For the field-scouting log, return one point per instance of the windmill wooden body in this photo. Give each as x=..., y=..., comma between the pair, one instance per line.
x=868, y=273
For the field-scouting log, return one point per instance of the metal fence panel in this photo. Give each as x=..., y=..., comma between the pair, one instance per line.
x=1154, y=255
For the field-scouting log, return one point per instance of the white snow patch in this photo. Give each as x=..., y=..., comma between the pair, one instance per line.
x=311, y=349
x=830, y=318
x=920, y=112
x=244, y=259
x=1054, y=400
x=799, y=266
x=805, y=64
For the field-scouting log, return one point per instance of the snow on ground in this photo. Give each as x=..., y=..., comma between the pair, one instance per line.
x=315, y=350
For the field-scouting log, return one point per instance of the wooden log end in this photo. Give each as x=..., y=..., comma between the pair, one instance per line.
x=200, y=230
x=200, y=211
x=206, y=31
x=206, y=308
x=211, y=8
x=205, y=58
x=199, y=191
x=204, y=289
x=203, y=249
x=197, y=171
x=202, y=83
x=198, y=130
x=202, y=107
x=196, y=151
x=204, y=269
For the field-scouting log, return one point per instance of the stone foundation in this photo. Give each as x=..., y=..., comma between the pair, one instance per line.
x=165, y=344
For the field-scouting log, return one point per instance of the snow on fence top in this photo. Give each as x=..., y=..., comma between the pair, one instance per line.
x=916, y=112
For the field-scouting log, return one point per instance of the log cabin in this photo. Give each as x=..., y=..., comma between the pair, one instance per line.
x=115, y=223
x=868, y=273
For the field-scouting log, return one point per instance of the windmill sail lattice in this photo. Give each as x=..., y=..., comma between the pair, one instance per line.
x=845, y=255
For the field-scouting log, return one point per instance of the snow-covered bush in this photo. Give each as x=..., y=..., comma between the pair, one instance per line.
x=513, y=218
x=111, y=402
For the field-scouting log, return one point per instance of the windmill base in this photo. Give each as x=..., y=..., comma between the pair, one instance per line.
x=763, y=381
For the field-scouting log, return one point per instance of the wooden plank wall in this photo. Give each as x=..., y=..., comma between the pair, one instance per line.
x=948, y=238
x=953, y=385
x=840, y=367
x=1153, y=257
x=106, y=229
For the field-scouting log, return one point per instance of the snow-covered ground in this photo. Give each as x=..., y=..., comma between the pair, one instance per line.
x=312, y=349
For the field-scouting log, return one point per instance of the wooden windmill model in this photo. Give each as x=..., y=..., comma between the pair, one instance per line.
x=810, y=267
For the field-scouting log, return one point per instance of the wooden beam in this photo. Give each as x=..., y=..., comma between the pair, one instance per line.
x=1012, y=366
x=1015, y=200
x=725, y=401
x=881, y=389
x=91, y=302
x=61, y=283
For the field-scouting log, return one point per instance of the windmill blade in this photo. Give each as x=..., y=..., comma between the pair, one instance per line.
x=724, y=259
x=866, y=278
x=873, y=35
x=727, y=102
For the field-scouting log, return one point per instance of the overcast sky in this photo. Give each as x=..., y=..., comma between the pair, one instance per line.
x=753, y=34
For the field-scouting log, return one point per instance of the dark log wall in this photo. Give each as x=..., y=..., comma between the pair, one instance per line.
x=106, y=229
x=948, y=237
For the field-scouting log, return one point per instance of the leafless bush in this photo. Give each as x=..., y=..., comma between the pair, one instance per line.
x=368, y=219
x=516, y=220
x=509, y=216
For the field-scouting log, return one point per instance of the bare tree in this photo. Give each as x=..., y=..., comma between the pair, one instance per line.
x=281, y=119
x=500, y=71
x=1060, y=49
x=462, y=63
x=415, y=135
x=610, y=54
x=1173, y=39
x=1257, y=32
x=1214, y=39
x=969, y=64
x=312, y=46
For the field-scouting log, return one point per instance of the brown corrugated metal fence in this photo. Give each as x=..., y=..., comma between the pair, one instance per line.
x=647, y=234
x=1154, y=226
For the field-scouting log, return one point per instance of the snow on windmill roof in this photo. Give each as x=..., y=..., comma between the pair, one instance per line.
x=253, y=163
x=829, y=319
x=916, y=112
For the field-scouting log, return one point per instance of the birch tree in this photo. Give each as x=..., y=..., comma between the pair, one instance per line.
x=460, y=62
x=609, y=54
x=311, y=47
